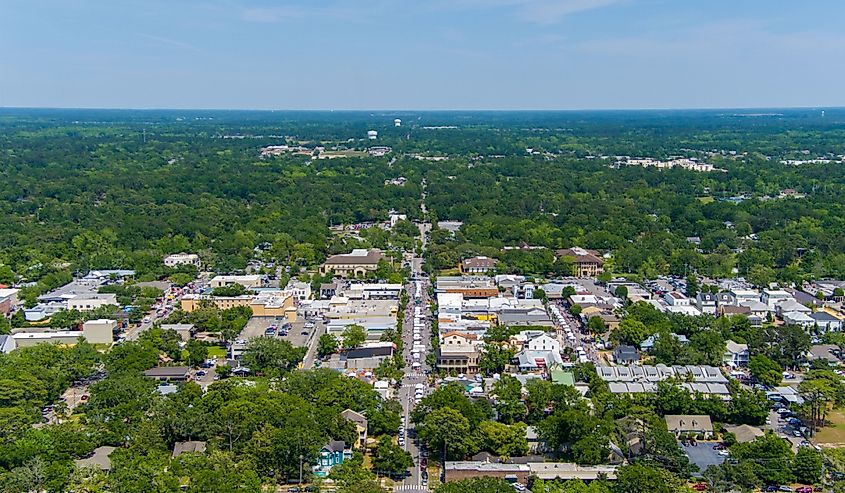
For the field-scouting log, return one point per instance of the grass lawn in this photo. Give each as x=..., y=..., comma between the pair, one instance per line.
x=216, y=352
x=705, y=200
x=834, y=434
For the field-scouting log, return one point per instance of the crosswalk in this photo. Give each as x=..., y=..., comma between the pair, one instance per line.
x=411, y=487
x=416, y=374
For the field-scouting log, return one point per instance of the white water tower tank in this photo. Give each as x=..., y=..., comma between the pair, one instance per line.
x=372, y=135
x=397, y=122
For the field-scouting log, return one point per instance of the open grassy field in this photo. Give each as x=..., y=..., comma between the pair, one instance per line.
x=832, y=435
x=216, y=352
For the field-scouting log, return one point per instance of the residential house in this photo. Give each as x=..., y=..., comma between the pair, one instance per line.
x=745, y=433
x=706, y=302
x=689, y=424
x=459, y=352
x=826, y=322
x=585, y=263
x=648, y=344
x=358, y=263
x=829, y=352
x=725, y=299
x=360, y=422
x=611, y=321
x=798, y=318
x=791, y=306
x=478, y=265
x=331, y=454
x=7, y=344
x=624, y=355
x=180, y=448
x=674, y=298
x=535, y=444
x=743, y=296
x=543, y=342
x=774, y=297
x=99, y=459
x=758, y=308
x=528, y=360
x=731, y=310
x=736, y=355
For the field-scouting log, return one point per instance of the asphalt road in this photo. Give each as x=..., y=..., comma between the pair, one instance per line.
x=133, y=332
x=414, y=376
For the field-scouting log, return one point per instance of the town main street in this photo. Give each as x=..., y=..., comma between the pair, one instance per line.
x=415, y=340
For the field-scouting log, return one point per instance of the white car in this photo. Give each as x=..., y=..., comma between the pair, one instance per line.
x=419, y=386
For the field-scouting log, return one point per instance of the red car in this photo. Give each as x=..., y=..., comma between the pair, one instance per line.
x=804, y=489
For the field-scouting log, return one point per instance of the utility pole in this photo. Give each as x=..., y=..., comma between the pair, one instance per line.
x=300, y=468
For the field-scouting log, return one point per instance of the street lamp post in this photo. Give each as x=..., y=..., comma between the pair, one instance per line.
x=300, y=468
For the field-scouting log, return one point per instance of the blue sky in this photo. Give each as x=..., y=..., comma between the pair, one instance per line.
x=422, y=54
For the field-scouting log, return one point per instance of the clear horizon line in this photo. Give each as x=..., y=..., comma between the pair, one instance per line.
x=491, y=110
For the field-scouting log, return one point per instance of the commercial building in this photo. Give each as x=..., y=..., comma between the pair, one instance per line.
x=478, y=265
x=469, y=287
x=272, y=303
x=85, y=303
x=370, y=291
x=177, y=259
x=458, y=352
x=8, y=300
x=61, y=337
x=585, y=263
x=186, y=331
x=513, y=472
x=376, y=316
x=249, y=281
x=357, y=263
x=173, y=373
x=100, y=331
x=300, y=290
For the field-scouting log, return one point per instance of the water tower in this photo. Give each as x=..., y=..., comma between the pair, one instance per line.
x=372, y=135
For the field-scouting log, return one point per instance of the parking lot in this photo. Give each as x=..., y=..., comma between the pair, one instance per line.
x=298, y=335
x=703, y=455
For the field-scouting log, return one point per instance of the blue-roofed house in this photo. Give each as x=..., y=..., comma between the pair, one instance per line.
x=332, y=454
